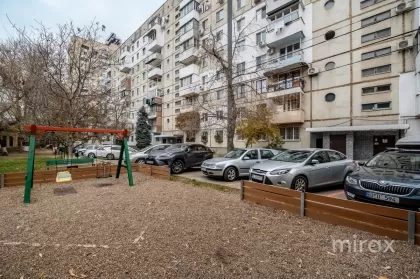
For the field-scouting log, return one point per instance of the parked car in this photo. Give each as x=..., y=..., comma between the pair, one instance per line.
x=303, y=169
x=82, y=151
x=180, y=156
x=390, y=178
x=236, y=163
x=113, y=152
x=96, y=151
x=140, y=156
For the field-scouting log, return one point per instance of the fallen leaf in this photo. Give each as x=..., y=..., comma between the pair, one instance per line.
x=40, y=255
x=332, y=254
x=42, y=275
x=382, y=277
x=386, y=267
x=71, y=271
x=255, y=218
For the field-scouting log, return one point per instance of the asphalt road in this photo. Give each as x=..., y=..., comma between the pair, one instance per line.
x=195, y=173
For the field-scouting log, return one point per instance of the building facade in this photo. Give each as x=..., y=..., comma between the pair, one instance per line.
x=334, y=74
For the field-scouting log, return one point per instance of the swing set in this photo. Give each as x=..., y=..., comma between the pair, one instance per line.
x=66, y=175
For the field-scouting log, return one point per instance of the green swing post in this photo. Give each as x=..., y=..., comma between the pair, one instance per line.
x=124, y=151
x=31, y=166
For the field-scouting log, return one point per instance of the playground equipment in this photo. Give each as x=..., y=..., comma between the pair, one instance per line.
x=66, y=176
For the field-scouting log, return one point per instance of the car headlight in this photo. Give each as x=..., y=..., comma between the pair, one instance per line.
x=211, y=166
x=279, y=171
x=351, y=180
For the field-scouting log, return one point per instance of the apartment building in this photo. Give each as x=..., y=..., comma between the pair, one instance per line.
x=333, y=73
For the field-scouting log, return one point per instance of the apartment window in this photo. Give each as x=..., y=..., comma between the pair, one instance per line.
x=177, y=79
x=368, y=3
x=376, y=53
x=178, y=103
x=205, y=61
x=132, y=104
x=260, y=61
x=289, y=14
x=137, y=43
x=167, y=105
x=176, y=41
x=219, y=15
x=219, y=35
x=137, y=79
x=132, y=59
x=137, y=91
x=144, y=88
x=137, y=56
x=376, y=35
x=132, y=70
x=204, y=24
x=219, y=115
x=205, y=117
x=144, y=51
x=261, y=13
x=186, y=81
x=240, y=68
x=240, y=4
x=241, y=45
x=203, y=80
x=188, y=8
x=205, y=97
x=286, y=81
x=239, y=24
x=376, y=89
x=176, y=63
x=219, y=133
x=376, y=18
x=177, y=110
x=137, y=67
x=261, y=37
x=176, y=94
x=376, y=71
x=220, y=94
x=289, y=51
x=290, y=133
x=376, y=106
x=192, y=24
x=261, y=86
x=240, y=112
x=329, y=66
x=132, y=115
x=240, y=90
x=144, y=75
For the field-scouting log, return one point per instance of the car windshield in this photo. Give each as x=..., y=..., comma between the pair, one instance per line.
x=405, y=161
x=177, y=147
x=236, y=153
x=292, y=156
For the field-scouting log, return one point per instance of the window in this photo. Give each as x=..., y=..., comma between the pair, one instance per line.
x=219, y=133
x=240, y=90
x=329, y=66
x=203, y=80
x=205, y=61
x=188, y=8
x=192, y=24
x=220, y=94
x=266, y=154
x=330, y=97
x=329, y=4
x=376, y=71
x=260, y=62
x=289, y=14
x=376, y=18
x=241, y=45
x=240, y=112
x=286, y=81
x=368, y=3
x=177, y=110
x=178, y=103
x=186, y=81
x=240, y=4
x=167, y=120
x=329, y=35
x=176, y=95
x=167, y=105
x=204, y=135
x=290, y=133
x=335, y=156
x=144, y=51
x=376, y=89
x=205, y=117
x=289, y=51
x=261, y=37
x=252, y=154
x=261, y=86
x=376, y=35
x=144, y=75
x=132, y=59
x=321, y=156
x=219, y=35
x=240, y=68
x=205, y=97
x=138, y=67
x=137, y=79
x=239, y=24
x=376, y=53
x=376, y=106
x=132, y=92
x=261, y=13
x=219, y=115
x=219, y=15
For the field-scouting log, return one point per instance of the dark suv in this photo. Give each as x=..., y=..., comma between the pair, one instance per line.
x=180, y=156
x=390, y=178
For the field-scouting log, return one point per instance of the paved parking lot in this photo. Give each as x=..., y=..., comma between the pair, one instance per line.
x=195, y=173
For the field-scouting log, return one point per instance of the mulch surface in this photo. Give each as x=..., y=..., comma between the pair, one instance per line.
x=166, y=229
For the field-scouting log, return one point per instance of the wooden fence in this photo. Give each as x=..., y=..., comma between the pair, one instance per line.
x=48, y=176
x=381, y=220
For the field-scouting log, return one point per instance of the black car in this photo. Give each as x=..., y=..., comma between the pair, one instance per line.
x=390, y=178
x=180, y=156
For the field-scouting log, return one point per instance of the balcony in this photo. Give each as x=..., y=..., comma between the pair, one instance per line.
x=188, y=56
x=155, y=73
x=154, y=113
x=284, y=63
x=154, y=59
x=284, y=88
x=288, y=108
x=289, y=117
x=193, y=32
x=191, y=69
x=155, y=93
x=155, y=37
x=125, y=84
x=191, y=15
x=157, y=129
x=276, y=5
x=284, y=31
x=125, y=67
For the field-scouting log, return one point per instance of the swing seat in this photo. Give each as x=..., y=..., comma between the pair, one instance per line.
x=63, y=176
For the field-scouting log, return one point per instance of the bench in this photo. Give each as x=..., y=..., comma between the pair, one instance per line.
x=69, y=162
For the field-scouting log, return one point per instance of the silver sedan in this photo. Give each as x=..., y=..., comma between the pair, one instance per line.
x=236, y=163
x=302, y=169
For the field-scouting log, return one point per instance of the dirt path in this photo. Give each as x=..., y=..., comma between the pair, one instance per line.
x=161, y=229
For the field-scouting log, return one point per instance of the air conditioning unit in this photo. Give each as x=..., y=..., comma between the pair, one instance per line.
x=199, y=9
x=220, y=2
x=261, y=44
x=313, y=71
x=405, y=44
x=270, y=51
x=257, y=1
x=201, y=32
x=403, y=7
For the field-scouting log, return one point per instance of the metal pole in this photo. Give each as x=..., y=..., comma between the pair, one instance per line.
x=30, y=170
x=411, y=227
x=231, y=107
x=128, y=163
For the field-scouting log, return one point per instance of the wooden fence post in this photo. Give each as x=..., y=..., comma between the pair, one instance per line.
x=242, y=190
x=169, y=173
x=302, y=203
x=411, y=227
x=1, y=180
x=151, y=172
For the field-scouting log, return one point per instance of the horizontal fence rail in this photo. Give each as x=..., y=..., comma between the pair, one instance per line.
x=381, y=220
x=155, y=171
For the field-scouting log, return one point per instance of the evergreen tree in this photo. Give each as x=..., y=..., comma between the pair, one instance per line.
x=143, y=135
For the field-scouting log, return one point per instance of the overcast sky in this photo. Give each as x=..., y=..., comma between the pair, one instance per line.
x=122, y=17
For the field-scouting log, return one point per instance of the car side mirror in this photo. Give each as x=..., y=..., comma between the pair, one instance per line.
x=246, y=158
x=361, y=163
x=314, y=162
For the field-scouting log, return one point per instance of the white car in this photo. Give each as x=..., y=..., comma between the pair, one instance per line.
x=113, y=152
x=97, y=151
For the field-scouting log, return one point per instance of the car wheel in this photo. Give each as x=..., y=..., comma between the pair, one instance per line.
x=300, y=183
x=230, y=174
x=91, y=155
x=177, y=167
x=110, y=156
x=140, y=161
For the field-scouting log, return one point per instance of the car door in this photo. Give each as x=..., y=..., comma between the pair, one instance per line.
x=191, y=156
x=266, y=154
x=250, y=158
x=319, y=174
x=200, y=154
x=338, y=166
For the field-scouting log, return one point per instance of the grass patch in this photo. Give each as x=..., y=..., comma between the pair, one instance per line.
x=197, y=183
x=20, y=164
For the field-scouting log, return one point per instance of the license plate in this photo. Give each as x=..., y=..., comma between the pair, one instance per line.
x=257, y=177
x=383, y=197
x=149, y=162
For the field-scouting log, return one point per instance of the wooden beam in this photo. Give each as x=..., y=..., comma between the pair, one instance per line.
x=35, y=128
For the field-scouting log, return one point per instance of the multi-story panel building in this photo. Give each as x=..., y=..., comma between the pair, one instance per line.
x=332, y=73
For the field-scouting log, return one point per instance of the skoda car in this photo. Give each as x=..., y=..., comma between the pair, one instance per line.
x=140, y=156
x=302, y=169
x=390, y=178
